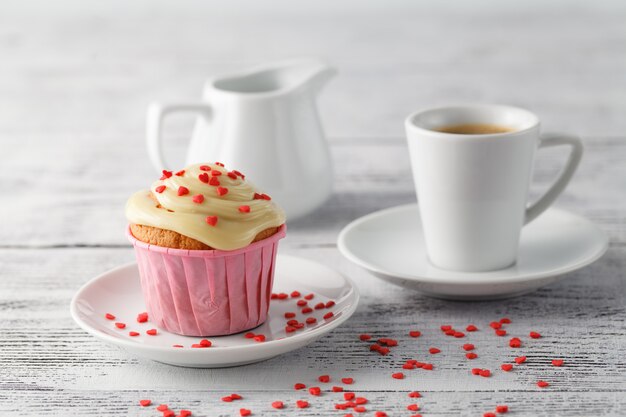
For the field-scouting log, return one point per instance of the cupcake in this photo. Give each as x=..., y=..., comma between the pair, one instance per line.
x=206, y=242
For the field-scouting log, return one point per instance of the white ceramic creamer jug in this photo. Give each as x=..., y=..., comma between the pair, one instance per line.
x=264, y=123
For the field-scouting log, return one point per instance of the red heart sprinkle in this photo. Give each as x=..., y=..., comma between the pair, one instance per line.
x=485, y=373
x=515, y=342
x=211, y=220
x=177, y=346
x=204, y=177
x=214, y=181
x=458, y=334
x=206, y=343
x=520, y=359
x=232, y=175
x=243, y=412
x=236, y=397
x=471, y=328
x=166, y=174
x=319, y=306
x=151, y=332
x=502, y=408
x=205, y=168
x=302, y=404
x=133, y=334
x=315, y=391
x=535, y=335
x=415, y=333
x=290, y=315
x=219, y=164
x=160, y=189
x=216, y=173
x=324, y=378
x=433, y=350
x=180, y=173
x=365, y=337
x=239, y=174
x=283, y=296
x=428, y=366
x=414, y=394
x=311, y=320
x=184, y=413
x=198, y=198
x=182, y=191
x=249, y=335
x=471, y=355
x=412, y=407
x=109, y=316
x=259, y=338
x=227, y=399
x=506, y=367
x=557, y=362
x=307, y=310
x=348, y=396
x=162, y=407
x=169, y=413
x=221, y=191
x=278, y=404
x=302, y=303
x=542, y=384
x=489, y=414
x=380, y=414
x=360, y=409
x=298, y=386
x=468, y=346
x=244, y=209
x=446, y=327
x=398, y=375
x=309, y=296
x=501, y=332
x=145, y=403
x=505, y=320
x=328, y=315
x=330, y=304
x=290, y=329
x=142, y=317
x=495, y=325
x=120, y=325
x=295, y=294
x=347, y=381
x=476, y=371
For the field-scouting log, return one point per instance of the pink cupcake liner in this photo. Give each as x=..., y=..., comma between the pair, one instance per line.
x=207, y=292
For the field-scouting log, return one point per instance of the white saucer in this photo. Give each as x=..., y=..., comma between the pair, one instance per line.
x=389, y=243
x=118, y=292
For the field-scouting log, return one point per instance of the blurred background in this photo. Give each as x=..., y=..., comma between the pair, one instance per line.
x=76, y=77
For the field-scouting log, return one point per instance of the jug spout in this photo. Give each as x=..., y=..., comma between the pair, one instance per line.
x=312, y=73
x=278, y=78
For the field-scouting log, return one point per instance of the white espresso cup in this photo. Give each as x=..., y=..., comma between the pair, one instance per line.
x=472, y=189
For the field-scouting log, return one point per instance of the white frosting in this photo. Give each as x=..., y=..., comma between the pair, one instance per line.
x=234, y=229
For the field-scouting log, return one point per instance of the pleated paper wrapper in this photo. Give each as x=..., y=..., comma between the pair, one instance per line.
x=207, y=292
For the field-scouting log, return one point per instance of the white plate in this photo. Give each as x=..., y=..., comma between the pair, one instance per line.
x=389, y=243
x=118, y=292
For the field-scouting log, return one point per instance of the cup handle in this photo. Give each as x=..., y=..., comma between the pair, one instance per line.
x=156, y=115
x=548, y=141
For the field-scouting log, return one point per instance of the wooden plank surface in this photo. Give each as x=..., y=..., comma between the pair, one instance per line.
x=74, y=82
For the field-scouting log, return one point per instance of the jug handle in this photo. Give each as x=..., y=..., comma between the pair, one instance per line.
x=154, y=127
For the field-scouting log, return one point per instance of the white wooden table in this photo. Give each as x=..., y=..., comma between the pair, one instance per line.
x=75, y=78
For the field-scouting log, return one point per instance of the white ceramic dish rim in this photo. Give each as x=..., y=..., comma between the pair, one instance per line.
x=460, y=278
x=313, y=333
